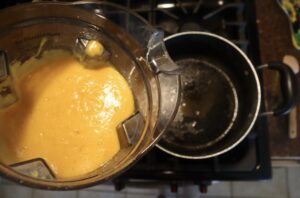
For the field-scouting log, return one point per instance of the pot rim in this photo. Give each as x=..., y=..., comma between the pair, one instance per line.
x=258, y=102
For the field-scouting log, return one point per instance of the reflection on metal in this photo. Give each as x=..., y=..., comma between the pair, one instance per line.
x=166, y=5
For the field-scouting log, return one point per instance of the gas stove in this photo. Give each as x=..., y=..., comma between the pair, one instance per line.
x=234, y=20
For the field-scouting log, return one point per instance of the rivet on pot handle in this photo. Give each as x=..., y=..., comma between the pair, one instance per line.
x=289, y=88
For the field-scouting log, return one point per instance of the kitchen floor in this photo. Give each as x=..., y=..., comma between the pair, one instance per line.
x=285, y=184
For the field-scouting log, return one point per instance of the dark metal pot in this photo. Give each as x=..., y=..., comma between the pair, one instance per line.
x=221, y=95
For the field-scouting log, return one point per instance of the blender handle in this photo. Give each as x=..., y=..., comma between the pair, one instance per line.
x=170, y=90
x=169, y=81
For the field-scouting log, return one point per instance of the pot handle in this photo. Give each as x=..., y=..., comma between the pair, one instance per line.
x=289, y=88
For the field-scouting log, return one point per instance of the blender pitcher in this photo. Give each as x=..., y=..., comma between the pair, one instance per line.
x=136, y=50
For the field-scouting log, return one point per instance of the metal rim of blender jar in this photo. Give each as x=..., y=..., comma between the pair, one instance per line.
x=23, y=179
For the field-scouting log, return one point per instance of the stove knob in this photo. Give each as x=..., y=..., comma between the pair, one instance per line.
x=203, y=188
x=174, y=188
x=119, y=184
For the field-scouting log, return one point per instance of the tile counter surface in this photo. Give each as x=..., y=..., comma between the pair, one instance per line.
x=285, y=184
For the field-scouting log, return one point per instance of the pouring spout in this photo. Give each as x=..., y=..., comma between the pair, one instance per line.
x=157, y=55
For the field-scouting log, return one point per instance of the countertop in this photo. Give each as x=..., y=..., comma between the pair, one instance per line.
x=275, y=42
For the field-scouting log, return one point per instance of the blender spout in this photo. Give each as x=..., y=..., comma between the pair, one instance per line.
x=157, y=55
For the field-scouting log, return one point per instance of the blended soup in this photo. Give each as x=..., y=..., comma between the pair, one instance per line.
x=66, y=114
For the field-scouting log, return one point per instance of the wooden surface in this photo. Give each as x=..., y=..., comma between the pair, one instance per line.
x=275, y=42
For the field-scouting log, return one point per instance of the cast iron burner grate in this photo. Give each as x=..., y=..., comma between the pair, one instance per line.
x=223, y=17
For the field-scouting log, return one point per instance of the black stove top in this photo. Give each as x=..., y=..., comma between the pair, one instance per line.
x=235, y=20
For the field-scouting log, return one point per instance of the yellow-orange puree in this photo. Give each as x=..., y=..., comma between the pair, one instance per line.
x=66, y=114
